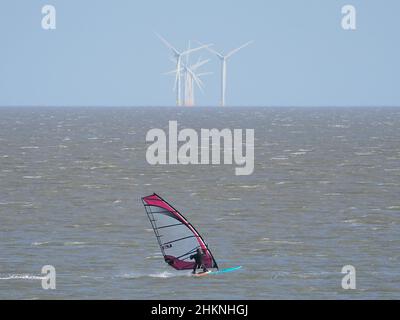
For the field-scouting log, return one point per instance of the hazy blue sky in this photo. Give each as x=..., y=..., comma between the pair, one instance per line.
x=105, y=53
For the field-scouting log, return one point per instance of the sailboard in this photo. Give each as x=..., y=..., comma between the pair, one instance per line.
x=208, y=273
x=177, y=238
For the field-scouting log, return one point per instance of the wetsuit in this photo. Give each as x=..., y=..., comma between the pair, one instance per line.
x=198, y=261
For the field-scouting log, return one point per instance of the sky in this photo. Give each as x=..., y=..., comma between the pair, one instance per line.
x=105, y=53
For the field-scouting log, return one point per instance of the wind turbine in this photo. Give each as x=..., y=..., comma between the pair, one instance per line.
x=190, y=78
x=224, y=59
x=178, y=56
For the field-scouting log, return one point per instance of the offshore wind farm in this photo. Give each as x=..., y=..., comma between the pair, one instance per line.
x=187, y=71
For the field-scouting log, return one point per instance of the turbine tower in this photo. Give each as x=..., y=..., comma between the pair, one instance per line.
x=178, y=56
x=224, y=59
x=191, y=78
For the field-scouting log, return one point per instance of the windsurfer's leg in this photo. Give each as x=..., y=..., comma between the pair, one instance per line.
x=194, y=268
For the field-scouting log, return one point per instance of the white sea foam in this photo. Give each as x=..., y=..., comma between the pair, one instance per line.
x=279, y=158
x=74, y=243
x=249, y=187
x=39, y=243
x=268, y=240
x=21, y=277
x=161, y=274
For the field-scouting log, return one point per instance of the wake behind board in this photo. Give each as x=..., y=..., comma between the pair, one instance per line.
x=209, y=273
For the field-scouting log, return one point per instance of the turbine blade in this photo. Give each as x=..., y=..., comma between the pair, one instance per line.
x=188, y=55
x=169, y=72
x=204, y=74
x=199, y=64
x=167, y=44
x=199, y=83
x=172, y=60
x=172, y=71
x=220, y=55
x=238, y=49
x=196, y=49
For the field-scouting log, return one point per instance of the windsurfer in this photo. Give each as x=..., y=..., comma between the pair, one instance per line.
x=198, y=260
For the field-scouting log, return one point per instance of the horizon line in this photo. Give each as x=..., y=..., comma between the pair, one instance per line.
x=199, y=106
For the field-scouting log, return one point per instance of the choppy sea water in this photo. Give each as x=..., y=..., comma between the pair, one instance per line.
x=324, y=194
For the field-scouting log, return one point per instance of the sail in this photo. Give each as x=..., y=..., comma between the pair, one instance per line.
x=177, y=238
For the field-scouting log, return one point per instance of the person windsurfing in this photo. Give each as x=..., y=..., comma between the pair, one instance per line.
x=198, y=260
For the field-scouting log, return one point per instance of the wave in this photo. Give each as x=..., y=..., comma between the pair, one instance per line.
x=162, y=275
x=21, y=277
x=40, y=243
x=74, y=243
x=58, y=243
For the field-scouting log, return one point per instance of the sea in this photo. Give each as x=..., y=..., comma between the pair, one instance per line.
x=324, y=194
